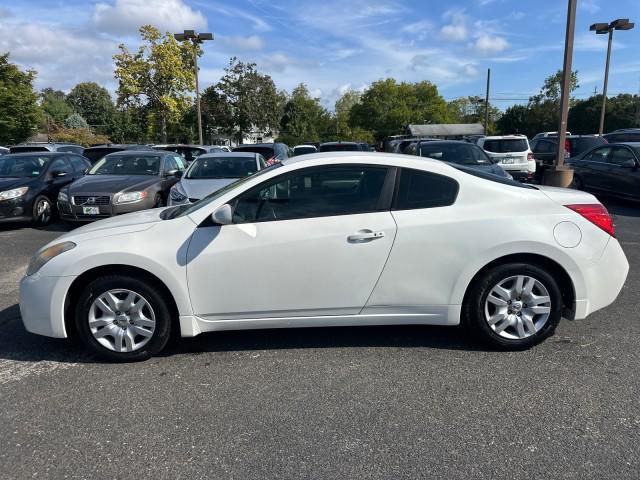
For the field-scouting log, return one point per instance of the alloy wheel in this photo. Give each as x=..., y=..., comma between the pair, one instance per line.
x=121, y=320
x=517, y=307
x=43, y=211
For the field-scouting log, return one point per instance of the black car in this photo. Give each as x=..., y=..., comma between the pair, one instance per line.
x=610, y=169
x=273, y=152
x=544, y=150
x=623, y=135
x=47, y=147
x=458, y=153
x=30, y=182
x=340, y=147
x=121, y=182
x=96, y=152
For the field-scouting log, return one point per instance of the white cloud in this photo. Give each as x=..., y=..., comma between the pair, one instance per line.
x=590, y=6
x=252, y=42
x=470, y=70
x=456, y=31
x=234, y=14
x=490, y=44
x=417, y=27
x=126, y=16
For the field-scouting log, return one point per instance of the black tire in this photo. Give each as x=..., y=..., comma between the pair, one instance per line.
x=42, y=211
x=474, y=306
x=161, y=333
x=158, y=201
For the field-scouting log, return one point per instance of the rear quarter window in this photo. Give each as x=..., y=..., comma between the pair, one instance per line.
x=420, y=189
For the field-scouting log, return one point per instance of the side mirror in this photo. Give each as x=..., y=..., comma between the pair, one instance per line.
x=629, y=164
x=173, y=173
x=223, y=215
x=58, y=174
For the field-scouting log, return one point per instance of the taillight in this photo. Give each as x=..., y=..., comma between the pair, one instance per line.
x=567, y=147
x=596, y=214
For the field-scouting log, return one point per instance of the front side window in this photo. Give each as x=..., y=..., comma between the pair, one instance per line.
x=598, y=155
x=461, y=153
x=419, y=189
x=622, y=157
x=313, y=192
x=127, y=165
x=78, y=163
x=59, y=165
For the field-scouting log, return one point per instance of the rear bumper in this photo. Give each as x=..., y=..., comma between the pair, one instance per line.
x=603, y=280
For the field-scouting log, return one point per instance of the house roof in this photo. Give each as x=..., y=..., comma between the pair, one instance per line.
x=446, y=129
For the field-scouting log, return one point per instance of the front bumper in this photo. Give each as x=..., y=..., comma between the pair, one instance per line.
x=42, y=301
x=14, y=210
x=603, y=280
x=75, y=213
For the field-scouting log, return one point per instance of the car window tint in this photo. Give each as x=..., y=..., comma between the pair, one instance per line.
x=598, y=155
x=419, y=189
x=313, y=192
x=179, y=162
x=545, y=147
x=70, y=148
x=170, y=164
x=60, y=164
x=222, y=167
x=622, y=157
x=506, y=145
x=78, y=163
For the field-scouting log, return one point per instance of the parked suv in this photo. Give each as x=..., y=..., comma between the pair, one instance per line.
x=47, y=147
x=544, y=150
x=548, y=134
x=512, y=153
x=189, y=152
x=97, y=152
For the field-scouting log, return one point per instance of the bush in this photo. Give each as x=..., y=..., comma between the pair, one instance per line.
x=75, y=120
x=81, y=136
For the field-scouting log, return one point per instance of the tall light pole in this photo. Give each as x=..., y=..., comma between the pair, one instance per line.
x=195, y=39
x=560, y=176
x=601, y=29
x=486, y=103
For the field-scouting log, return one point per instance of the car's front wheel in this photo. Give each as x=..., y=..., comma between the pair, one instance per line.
x=122, y=318
x=514, y=306
x=42, y=210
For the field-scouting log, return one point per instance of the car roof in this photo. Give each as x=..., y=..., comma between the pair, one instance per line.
x=372, y=157
x=40, y=154
x=305, y=146
x=436, y=142
x=228, y=154
x=125, y=146
x=340, y=143
x=131, y=153
x=504, y=137
x=258, y=145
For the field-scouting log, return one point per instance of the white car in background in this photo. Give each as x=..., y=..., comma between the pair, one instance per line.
x=332, y=239
x=212, y=171
x=511, y=152
x=304, y=149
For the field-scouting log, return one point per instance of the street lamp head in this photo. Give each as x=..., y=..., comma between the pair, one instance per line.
x=179, y=37
x=619, y=23
x=205, y=36
x=626, y=26
x=189, y=34
x=599, y=27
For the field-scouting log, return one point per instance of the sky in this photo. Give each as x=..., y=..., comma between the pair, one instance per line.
x=334, y=45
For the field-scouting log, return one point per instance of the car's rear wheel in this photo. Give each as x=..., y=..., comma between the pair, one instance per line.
x=42, y=210
x=122, y=318
x=514, y=306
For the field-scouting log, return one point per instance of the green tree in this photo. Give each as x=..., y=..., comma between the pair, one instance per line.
x=472, y=110
x=54, y=105
x=387, y=107
x=19, y=110
x=94, y=104
x=159, y=75
x=514, y=120
x=623, y=111
x=304, y=119
x=75, y=120
x=343, y=108
x=130, y=125
x=242, y=99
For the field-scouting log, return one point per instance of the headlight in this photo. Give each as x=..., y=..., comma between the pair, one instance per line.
x=15, y=193
x=177, y=193
x=130, y=197
x=40, y=258
x=62, y=197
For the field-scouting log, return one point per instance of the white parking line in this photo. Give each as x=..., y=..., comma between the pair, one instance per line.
x=16, y=370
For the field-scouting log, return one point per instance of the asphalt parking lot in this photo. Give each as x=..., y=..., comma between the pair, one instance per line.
x=371, y=402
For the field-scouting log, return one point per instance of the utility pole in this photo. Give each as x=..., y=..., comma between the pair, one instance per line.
x=601, y=29
x=561, y=176
x=195, y=39
x=486, y=103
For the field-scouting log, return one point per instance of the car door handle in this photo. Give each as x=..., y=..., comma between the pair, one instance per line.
x=364, y=235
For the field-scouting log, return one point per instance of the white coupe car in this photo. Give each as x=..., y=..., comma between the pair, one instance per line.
x=327, y=240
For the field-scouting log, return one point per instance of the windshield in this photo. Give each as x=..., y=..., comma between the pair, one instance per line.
x=455, y=153
x=26, y=149
x=22, y=166
x=127, y=165
x=182, y=210
x=506, y=145
x=188, y=153
x=339, y=147
x=95, y=154
x=222, y=167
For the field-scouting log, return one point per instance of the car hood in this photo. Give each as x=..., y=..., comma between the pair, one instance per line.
x=8, y=183
x=112, y=183
x=198, y=189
